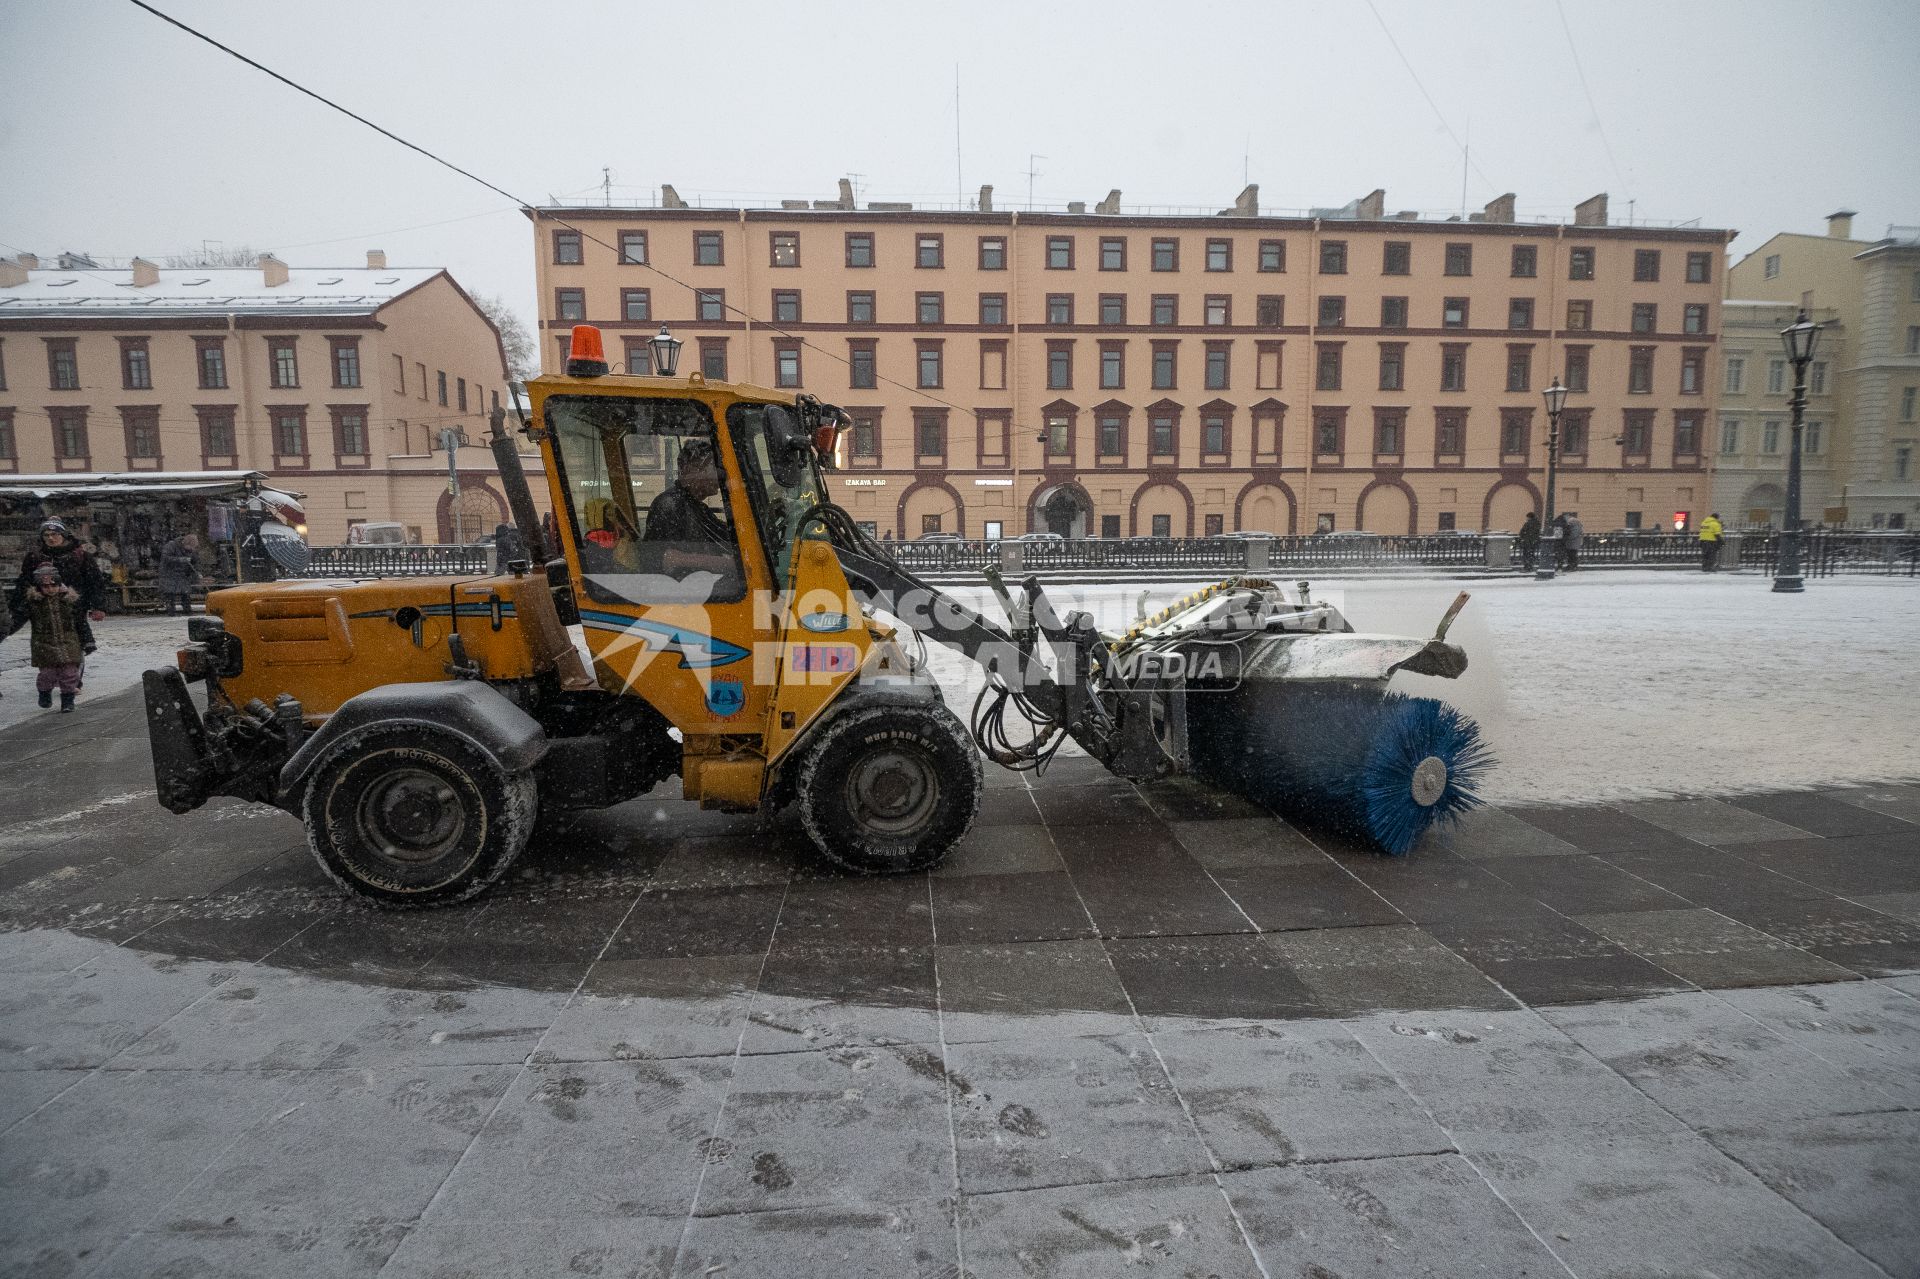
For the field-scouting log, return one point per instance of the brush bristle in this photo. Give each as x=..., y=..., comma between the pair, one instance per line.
x=1341, y=760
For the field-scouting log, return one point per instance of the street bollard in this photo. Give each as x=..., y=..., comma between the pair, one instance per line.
x=1499, y=550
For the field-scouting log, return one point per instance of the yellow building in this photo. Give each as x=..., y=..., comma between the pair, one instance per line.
x=1871, y=290
x=336, y=381
x=1115, y=374
x=1755, y=425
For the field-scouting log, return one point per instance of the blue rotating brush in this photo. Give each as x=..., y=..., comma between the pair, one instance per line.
x=1379, y=769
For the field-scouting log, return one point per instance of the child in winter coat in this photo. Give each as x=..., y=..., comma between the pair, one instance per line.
x=53, y=610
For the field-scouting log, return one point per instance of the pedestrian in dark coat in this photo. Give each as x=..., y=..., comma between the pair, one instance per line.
x=179, y=572
x=1529, y=540
x=1573, y=534
x=53, y=610
x=77, y=569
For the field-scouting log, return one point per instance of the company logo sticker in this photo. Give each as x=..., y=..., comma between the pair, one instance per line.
x=725, y=697
x=826, y=659
x=824, y=623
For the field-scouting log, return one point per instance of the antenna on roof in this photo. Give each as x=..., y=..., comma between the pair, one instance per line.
x=606, y=186
x=1032, y=173
x=959, y=172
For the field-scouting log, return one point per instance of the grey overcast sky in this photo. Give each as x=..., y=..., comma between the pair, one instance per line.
x=121, y=135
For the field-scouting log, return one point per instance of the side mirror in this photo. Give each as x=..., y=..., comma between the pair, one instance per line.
x=788, y=445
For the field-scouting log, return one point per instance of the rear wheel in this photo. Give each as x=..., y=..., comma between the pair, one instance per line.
x=889, y=789
x=408, y=816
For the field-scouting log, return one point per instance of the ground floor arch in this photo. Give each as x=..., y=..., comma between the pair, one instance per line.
x=1507, y=506
x=1764, y=503
x=1162, y=509
x=1265, y=508
x=476, y=512
x=931, y=506
x=1386, y=506
x=1063, y=508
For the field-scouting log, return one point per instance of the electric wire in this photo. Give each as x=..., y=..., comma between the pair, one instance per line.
x=527, y=204
x=1418, y=84
x=1592, y=106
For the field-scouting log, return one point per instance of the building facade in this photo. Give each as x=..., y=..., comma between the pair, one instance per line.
x=1754, y=436
x=1872, y=290
x=1115, y=375
x=336, y=382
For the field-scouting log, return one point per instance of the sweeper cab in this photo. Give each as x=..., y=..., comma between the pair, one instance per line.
x=709, y=612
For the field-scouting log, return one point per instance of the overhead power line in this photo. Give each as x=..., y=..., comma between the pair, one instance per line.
x=521, y=203
x=1466, y=155
x=1587, y=89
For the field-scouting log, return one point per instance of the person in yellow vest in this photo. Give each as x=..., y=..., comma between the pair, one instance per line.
x=1710, y=532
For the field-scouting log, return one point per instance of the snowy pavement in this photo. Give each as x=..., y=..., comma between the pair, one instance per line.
x=1616, y=686
x=128, y=646
x=1642, y=684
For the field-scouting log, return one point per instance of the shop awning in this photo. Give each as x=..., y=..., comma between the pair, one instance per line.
x=81, y=486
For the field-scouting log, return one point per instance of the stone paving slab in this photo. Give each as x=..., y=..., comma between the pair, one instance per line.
x=1120, y=1028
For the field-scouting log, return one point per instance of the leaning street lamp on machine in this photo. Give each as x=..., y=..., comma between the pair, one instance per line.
x=1799, y=339
x=666, y=352
x=1556, y=397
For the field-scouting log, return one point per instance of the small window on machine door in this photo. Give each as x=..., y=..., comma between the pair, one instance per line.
x=646, y=495
x=782, y=482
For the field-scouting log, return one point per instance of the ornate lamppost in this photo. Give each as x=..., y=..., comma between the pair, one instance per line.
x=1799, y=339
x=666, y=352
x=1556, y=397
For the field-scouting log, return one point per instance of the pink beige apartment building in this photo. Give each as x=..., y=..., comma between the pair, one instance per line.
x=1114, y=374
x=336, y=381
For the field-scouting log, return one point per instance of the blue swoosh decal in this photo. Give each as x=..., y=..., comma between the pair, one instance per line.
x=696, y=651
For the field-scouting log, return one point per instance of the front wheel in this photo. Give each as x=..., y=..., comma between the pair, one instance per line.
x=888, y=789
x=407, y=816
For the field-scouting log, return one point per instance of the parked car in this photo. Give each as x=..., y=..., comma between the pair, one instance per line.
x=939, y=537
x=377, y=533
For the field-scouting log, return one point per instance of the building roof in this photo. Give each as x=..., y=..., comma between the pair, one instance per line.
x=94, y=291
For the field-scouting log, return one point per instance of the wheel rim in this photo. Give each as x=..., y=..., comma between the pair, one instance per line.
x=893, y=790
x=412, y=817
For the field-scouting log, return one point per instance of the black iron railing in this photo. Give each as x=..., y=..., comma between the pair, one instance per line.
x=397, y=561
x=1826, y=552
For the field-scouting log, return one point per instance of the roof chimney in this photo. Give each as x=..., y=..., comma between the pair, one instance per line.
x=12, y=274
x=1591, y=212
x=670, y=198
x=273, y=270
x=986, y=198
x=376, y=259
x=29, y=261
x=1840, y=225
x=144, y=273
x=1111, y=204
x=1500, y=209
x=1372, y=206
x=1247, y=203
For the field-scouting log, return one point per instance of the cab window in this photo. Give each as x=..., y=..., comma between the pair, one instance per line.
x=646, y=496
x=782, y=481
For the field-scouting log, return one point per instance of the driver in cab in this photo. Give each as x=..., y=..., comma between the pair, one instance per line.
x=682, y=523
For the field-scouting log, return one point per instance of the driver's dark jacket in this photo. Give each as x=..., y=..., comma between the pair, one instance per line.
x=678, y=516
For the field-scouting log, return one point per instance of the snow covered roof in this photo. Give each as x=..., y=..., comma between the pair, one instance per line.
x=83, y=291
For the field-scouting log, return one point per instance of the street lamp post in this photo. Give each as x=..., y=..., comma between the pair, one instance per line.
x=1799, y=339
x=666, y=352
x=1556, y=397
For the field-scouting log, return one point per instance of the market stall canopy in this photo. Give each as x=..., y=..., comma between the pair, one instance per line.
x=81, y=485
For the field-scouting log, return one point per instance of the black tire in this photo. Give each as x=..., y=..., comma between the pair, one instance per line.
x=406, y=816
x=888, y=789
